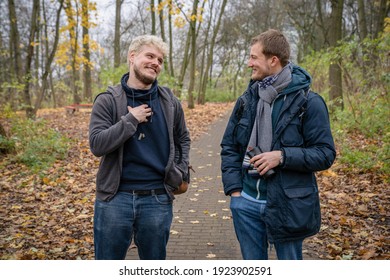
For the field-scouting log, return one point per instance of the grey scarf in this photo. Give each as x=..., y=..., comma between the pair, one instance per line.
x=262, y=129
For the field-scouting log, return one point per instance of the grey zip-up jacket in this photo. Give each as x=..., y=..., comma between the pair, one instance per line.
x=111, y=125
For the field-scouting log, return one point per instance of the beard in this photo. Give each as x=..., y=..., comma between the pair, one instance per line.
x=146, y=80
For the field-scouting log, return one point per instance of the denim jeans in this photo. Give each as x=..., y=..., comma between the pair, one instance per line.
x=251, y=232
x=147, y=218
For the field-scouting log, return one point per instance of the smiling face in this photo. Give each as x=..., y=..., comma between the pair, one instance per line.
x=262, y=65
x=145, y=66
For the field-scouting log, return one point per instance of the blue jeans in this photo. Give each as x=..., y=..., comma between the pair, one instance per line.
x=147, y=218
x=251, y=232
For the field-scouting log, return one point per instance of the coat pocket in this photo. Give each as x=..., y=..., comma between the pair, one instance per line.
x=292, y=135
x=302, y=210
x=174, y=177
x=241, y=132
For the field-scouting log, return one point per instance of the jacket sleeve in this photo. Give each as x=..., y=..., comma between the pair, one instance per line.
x=105, y=135
x=318, y=151
x=231, y=155
x=184, y=141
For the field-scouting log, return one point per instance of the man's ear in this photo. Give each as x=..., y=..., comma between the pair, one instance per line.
x=130, y=57
x=275, y=61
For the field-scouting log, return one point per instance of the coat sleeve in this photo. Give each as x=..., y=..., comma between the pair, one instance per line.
x=105, y=135
x=182, y=148
x=318, y=151
x=231, y=155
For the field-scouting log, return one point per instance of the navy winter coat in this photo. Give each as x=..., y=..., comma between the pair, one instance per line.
x=301, y=129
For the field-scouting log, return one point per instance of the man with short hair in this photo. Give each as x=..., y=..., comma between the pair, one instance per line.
x=138, y=130
x=277, y=137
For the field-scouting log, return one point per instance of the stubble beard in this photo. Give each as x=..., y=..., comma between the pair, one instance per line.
x=142, y=78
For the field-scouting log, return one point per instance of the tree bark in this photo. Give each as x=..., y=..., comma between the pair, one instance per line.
x=15, y=41
x=87, y=76
x=153, y=13
x=172, y=71
x=73, y=38
x=184, y=63
x=117, y=35
x=335, y=75
x=384, y=7
x=30, y=54
x=191, y=86
x=362, y=20
x=162, y=30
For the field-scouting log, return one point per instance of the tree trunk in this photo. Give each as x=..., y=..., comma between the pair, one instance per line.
x=117, y=35
x=49, y=60
x=162, y=30
x=16, y=68
x=383, y=10
x=87, y=76
x=206, y=49
x=73, y=38
x=362, y=20
x=172, y=71
x=185, y=61
x=15, y=41
x=211, y=53
x=335, y=75
x=153, y=13
x=30, y=54
x=191, y=86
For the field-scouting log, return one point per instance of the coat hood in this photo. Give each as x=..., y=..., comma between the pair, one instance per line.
x=300, y=80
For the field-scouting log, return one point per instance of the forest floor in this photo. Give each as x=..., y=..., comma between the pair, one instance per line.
x=49, y=215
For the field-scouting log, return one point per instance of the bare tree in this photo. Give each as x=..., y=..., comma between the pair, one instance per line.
x=49, y=60
x=206, y=71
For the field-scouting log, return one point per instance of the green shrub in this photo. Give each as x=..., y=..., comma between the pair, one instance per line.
x=361, y=129
x=219, y=95
x=36, y=145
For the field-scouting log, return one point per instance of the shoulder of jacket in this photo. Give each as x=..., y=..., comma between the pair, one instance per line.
x=103, y=95
x=167, y=93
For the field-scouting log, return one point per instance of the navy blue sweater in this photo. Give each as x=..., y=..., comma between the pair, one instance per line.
x=146, y=153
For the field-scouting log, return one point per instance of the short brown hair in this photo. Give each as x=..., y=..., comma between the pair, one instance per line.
x=274, y=43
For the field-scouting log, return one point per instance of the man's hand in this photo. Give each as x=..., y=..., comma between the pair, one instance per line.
x=141, y=113
x=266, y=161
x=235, y=194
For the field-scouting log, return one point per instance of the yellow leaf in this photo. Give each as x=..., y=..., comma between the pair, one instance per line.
x=329, y=173
x=45, y=180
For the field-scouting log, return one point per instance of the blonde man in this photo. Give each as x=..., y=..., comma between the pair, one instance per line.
x=137, y=128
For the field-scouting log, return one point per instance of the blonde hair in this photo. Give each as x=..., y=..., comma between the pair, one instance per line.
x=149, y=40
